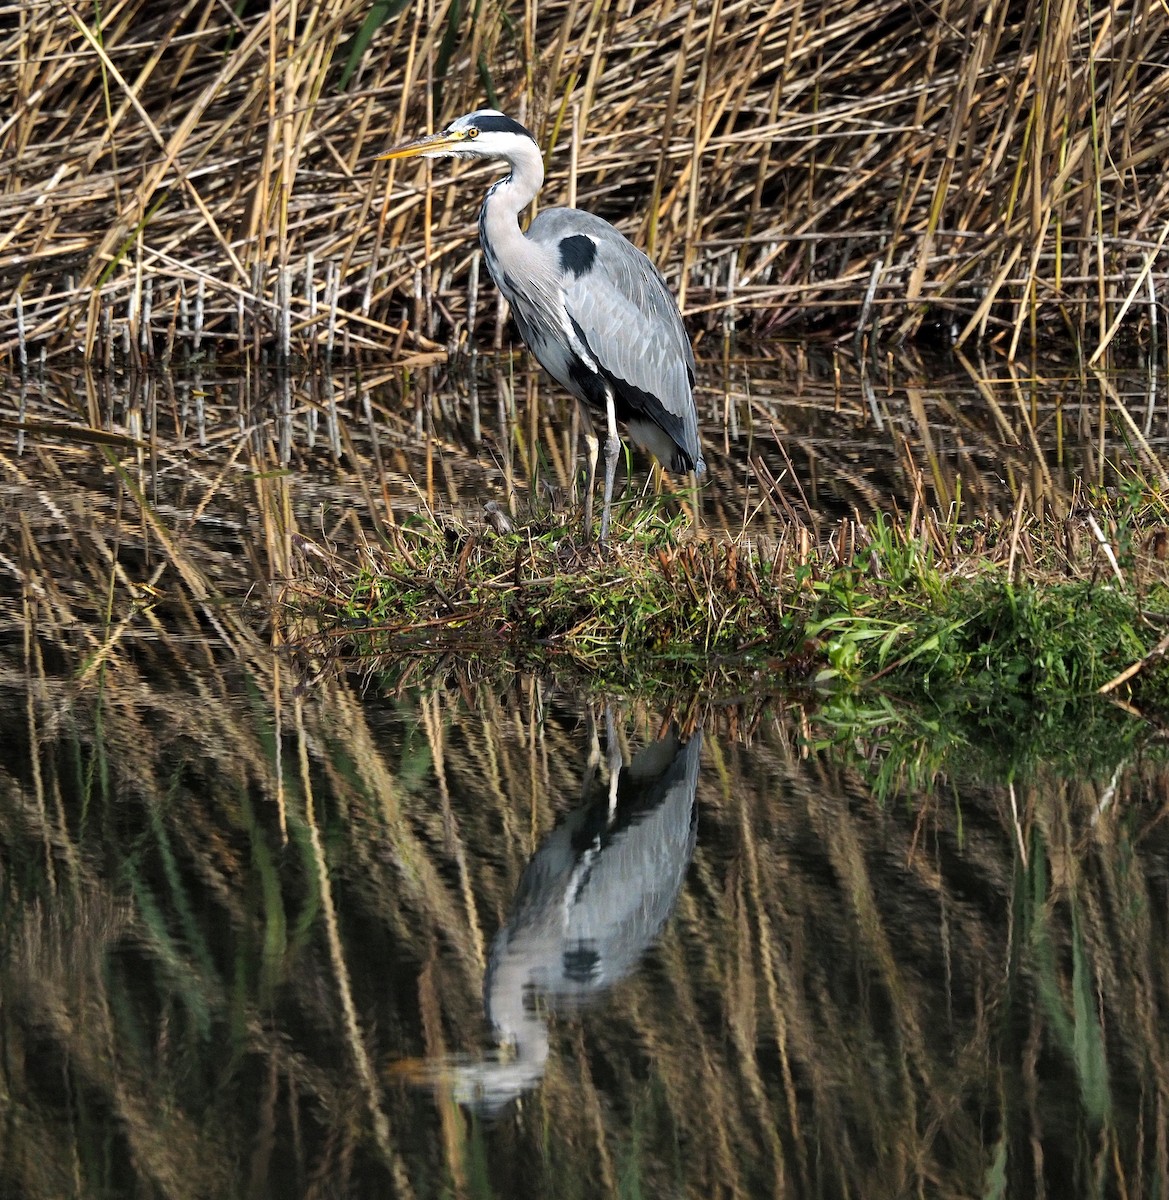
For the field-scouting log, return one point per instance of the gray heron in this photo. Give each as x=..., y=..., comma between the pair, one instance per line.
x=590, y=306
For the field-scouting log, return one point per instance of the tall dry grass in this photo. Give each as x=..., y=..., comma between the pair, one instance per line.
x=803, y=439
x=196, y=173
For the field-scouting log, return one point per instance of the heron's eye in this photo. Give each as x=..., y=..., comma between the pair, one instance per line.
x=472, y=132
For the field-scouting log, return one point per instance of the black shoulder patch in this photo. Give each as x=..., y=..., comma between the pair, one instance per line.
x=577, y=254
x=498, y=123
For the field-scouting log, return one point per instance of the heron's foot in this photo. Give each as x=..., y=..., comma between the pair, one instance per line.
x=579, y=556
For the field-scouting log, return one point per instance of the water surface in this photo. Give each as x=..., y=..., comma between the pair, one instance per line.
x=271, y=927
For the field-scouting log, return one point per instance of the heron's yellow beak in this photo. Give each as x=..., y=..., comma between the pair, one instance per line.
x=436, y=144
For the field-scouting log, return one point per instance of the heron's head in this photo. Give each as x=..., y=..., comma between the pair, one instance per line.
x=485, y=133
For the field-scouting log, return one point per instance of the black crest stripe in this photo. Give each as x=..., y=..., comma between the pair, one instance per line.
x=498, y=123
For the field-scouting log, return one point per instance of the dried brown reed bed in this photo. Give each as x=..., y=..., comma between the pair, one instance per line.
x=801, y=441
x=189, y=175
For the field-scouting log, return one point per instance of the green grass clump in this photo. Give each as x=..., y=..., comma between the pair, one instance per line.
x=905, y=609
x=989, y=635
x=539, y=587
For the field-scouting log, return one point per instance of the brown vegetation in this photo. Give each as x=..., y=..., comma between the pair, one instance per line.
x=200, y=172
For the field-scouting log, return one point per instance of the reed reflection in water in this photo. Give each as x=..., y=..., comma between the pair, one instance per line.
x=799, y=435
x=908, y=955
x=952, y=986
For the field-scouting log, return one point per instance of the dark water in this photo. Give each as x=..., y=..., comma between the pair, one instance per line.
x=268, y=928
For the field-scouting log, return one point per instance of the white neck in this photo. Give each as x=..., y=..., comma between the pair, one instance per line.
x=499, y=218
x=524, y=180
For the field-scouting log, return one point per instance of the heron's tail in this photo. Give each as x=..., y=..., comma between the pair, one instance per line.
x=680, y=462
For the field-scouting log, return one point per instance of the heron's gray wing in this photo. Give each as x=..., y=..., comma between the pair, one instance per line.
x=629, y=320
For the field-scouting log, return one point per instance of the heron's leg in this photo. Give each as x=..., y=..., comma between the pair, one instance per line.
x=615, y=762
x=612, y=450
x=695, y=496
x=574, y=431
x=593, y=450
x=594, y=756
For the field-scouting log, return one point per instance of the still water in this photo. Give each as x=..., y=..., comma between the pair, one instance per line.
x=272, y=926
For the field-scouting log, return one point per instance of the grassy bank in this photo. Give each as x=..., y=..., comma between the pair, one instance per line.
x=1024, y=612
x=180, y=177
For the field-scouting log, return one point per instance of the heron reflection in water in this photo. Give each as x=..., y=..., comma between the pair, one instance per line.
x=592, y=900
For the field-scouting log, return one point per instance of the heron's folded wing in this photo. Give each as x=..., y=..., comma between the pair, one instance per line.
x=629, y=320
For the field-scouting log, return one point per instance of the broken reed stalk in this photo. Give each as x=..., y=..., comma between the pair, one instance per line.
x=981, y=167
